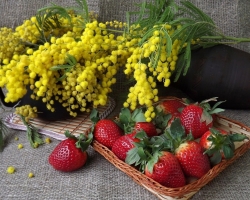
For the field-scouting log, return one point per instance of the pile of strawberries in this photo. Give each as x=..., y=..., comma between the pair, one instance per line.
x=180, y=143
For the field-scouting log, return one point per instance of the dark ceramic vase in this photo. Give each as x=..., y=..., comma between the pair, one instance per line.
x=43, y=113
x=220, y=71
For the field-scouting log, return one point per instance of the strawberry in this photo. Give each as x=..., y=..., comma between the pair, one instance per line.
x=106, y=132
x=218, y=144
x=205, y=143
x=70, y=154
x=148, y=127
x=127, y=119
x=135, y=121
x=172, y=106
x=149, y=156
x=123, y=144
x=197, y=118
x=189, y=152
x=194, y=163
x=166, y=170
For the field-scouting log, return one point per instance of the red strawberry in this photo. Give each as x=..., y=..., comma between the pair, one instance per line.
x=218, y=144
x=148, y=127
x=193, y=162
x=189, y=152
x=107, y=132
x=70, y=154
x=171, y=106
x=166, y=171
x=205, y=143
x=150, y=157
x=197, y=118
x=123, y=144
x=135, y=122
x=191, y=120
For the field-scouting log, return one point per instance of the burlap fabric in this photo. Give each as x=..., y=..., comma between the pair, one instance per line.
x=99, y=179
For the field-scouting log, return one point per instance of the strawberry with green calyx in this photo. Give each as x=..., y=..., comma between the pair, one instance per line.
x=105, y=131
x=189, y=152
x=127, y=119
x=162, y=120
x=70, y=154
x=123, y=144
x=166, y=170
x=160, y=165
x=141, y=152
x=136, y=121
x=219, y=144
x=197, y=117
x=148, y=127
x=216, y=133
x=171, y=106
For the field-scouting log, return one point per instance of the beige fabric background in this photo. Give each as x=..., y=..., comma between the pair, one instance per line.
x=99, y=179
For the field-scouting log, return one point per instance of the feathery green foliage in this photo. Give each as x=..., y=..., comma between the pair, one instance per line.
x=3, y=130
x=191, y=24
x=48, y=17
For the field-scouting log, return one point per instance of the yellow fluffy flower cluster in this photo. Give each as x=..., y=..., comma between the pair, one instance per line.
x=9, y=45
x=77, y=66
x=150, y=63
x=30, y=33
x=97, y=59
x=27, y=112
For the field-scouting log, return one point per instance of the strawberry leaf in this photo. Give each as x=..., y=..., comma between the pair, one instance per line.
x=216, y=110
x=206, y=106
x=161, y=120
x=172, y=143
x=94, y=116
x=216, y=158
x=223, y=143
x=206, y=117
x=187, y=101
x=160, y=143
x=125, y=120
x=217, y=104
x=154, y=159
x=132, y=156
x=142, y=135
x=83, y=141
x=138, y=116
x=69, y=135
x=125, y=116
x=176, y=129
x=228, y=151
x=189, y=137
x=236, y=137
x=142, y=154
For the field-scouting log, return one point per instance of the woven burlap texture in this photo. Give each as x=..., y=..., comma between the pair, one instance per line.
x=99, y=179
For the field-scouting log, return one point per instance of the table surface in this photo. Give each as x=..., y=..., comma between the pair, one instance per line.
x=99, y=179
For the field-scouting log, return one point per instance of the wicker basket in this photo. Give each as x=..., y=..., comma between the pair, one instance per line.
x=190, y=189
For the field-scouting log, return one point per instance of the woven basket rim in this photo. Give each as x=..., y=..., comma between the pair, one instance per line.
x=173, y=192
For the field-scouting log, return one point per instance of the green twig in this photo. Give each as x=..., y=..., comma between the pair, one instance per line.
x=32, y=133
